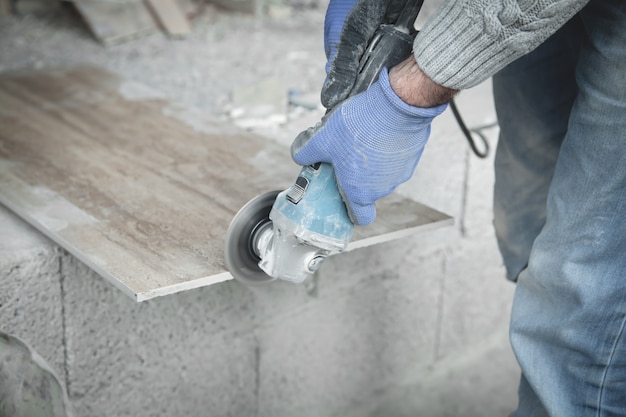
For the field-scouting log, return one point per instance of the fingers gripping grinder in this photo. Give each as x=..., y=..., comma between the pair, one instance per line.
x=287, y=235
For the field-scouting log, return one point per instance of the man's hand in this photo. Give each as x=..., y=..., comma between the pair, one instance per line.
x=373, y=140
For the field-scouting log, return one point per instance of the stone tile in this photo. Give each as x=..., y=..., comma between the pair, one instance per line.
x=147, y=244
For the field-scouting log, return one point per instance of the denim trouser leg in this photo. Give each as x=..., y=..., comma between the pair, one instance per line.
x=569, y=311
x=534, y=97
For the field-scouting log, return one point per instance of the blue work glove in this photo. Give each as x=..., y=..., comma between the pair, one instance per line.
x=348, y=27
x=373, y=140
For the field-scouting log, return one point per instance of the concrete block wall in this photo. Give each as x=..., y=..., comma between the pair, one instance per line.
x=30, y=301
x=412, y=327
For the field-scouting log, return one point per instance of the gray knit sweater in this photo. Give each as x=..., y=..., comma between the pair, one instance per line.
x=467, y=41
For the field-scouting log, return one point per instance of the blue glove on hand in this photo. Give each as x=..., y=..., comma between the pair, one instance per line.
x=373, y=140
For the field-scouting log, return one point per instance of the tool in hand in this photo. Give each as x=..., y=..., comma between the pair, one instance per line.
x=287, y=235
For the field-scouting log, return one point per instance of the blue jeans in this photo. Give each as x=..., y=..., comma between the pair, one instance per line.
x=560, y=214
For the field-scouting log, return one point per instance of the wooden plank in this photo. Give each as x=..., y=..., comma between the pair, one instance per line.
x=170, y=17
x=113, y=22
x=5, y=7
x=140, y=189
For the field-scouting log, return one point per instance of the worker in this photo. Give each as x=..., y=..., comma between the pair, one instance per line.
x=559, y=81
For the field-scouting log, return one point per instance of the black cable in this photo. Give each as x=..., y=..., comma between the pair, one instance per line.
x=468, y=133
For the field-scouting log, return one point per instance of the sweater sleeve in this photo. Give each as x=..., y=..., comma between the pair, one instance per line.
x=467, y=41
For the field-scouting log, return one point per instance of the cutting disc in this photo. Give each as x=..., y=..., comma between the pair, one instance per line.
x=239, y=251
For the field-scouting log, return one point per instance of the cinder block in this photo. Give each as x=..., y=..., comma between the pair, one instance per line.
x=477, y=297
x=412, y=257
x=30, y=300
x=192, y=353
x=354, y=341
x=480, y=381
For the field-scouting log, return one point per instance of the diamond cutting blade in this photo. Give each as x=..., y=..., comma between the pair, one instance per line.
x=240, y=252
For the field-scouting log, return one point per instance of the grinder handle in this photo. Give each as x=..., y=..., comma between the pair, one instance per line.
x=390, y=45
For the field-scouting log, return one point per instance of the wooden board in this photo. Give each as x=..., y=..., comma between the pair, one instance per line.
x=5, y=7
x=170, y=17
x=140, y=189
x=113, y=22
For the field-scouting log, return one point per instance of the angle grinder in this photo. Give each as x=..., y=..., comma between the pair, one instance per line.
x=288, y=234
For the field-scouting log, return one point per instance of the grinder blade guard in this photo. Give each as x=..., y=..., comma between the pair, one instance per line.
x=290, y=239
x=250, y=225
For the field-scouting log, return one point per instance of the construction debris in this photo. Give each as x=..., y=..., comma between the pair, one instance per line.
x=116, y=21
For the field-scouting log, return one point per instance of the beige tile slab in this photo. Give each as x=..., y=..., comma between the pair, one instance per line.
x=140, y=189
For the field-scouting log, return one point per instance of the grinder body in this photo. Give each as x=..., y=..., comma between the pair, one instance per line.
x=309, y=222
